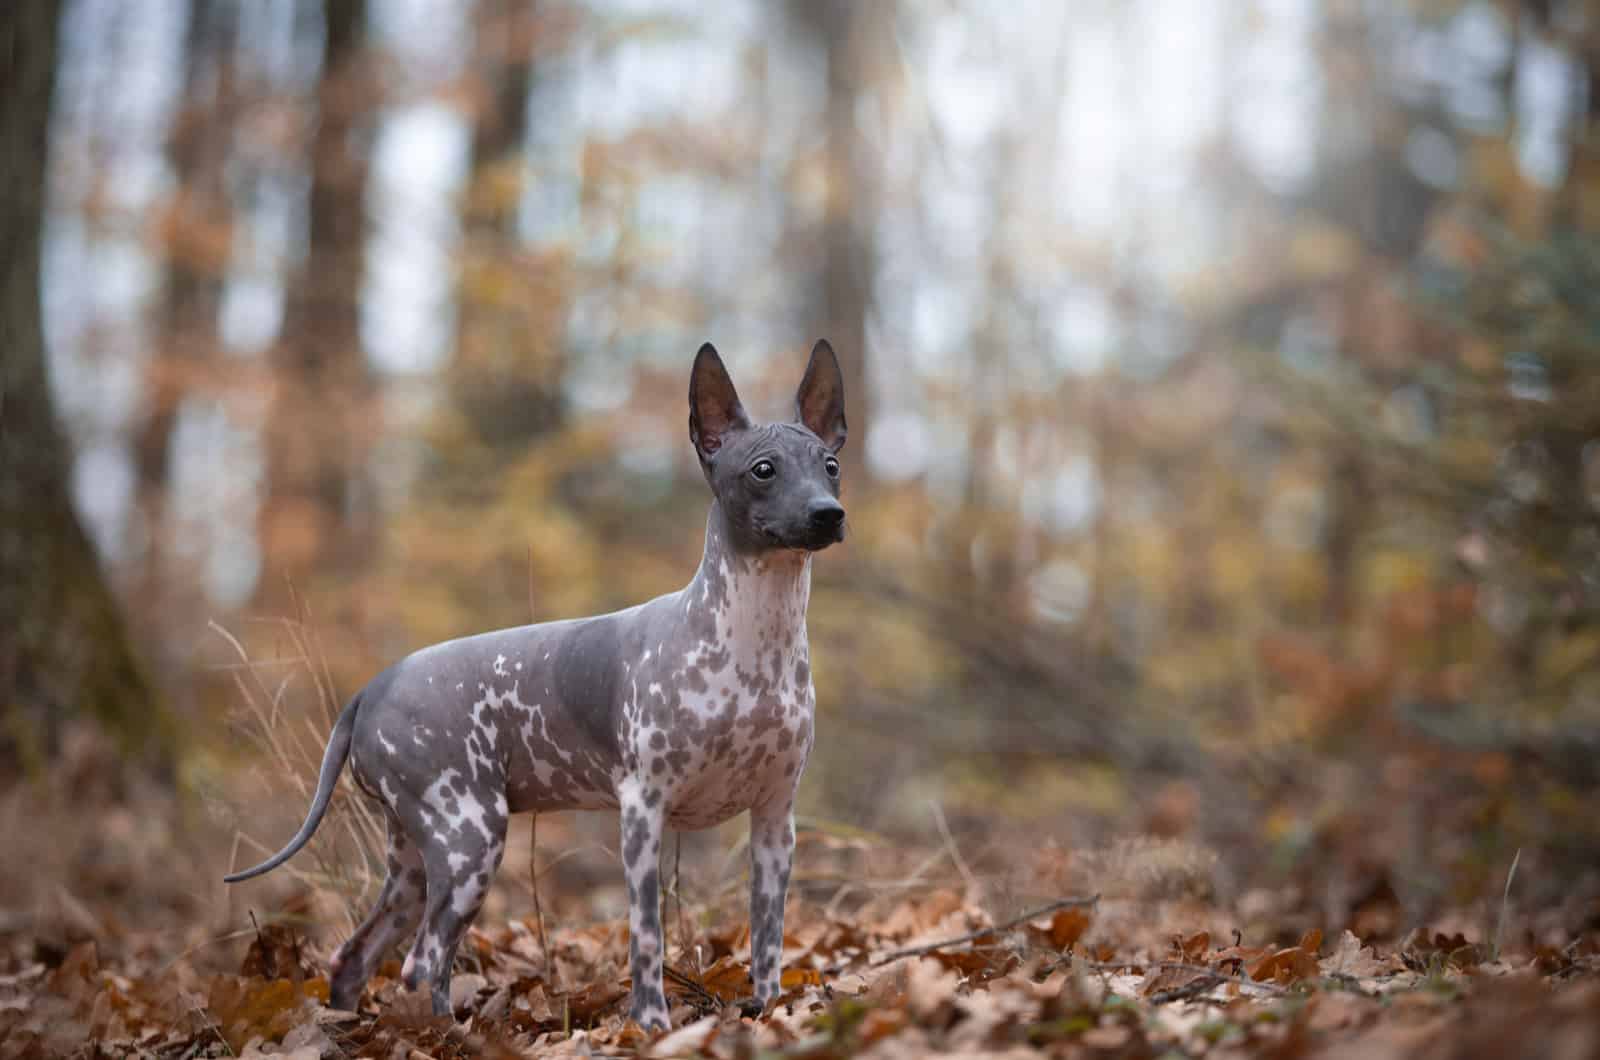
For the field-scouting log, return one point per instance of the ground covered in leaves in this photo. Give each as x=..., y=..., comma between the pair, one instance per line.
x=928, y=961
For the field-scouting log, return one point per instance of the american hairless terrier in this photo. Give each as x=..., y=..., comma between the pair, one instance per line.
x=683, y=711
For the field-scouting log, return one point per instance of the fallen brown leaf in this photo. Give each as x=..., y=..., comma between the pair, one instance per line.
x=267, y=1008
x=1193, y=949
x=1284, y=967
x=1350, y=958
x=276, y=953
x=1063, y=931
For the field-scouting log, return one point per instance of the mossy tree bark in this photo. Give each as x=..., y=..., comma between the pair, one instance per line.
x=64, y=651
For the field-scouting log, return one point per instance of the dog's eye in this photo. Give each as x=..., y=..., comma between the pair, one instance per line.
x=763, y=470
x=831, y=466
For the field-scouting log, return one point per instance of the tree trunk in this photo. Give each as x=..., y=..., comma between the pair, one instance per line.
x=64, y=652
x=850, y=35
x=316, y=515
x=196, y=233
x=506, y=374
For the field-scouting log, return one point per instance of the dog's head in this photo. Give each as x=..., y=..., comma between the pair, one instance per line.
x=778, y=483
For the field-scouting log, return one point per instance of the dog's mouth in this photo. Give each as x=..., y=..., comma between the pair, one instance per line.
x=809, y=540
x=827, y=537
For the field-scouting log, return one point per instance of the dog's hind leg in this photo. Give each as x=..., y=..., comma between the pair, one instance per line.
x=459, y=870
x=398, y=909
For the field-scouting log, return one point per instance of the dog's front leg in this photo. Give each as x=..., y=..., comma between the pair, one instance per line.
x=771, y=854
x=642, y=812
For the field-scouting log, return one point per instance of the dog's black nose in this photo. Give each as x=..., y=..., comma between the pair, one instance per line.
x=826, y=515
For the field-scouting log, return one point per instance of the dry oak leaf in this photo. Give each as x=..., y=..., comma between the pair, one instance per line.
x=1234, y=959
x=977, y=964
x=1190, y=950
x=727, y=979
x=409, y=1011
x=464, y=990
x=793, y=978
x=840, y=936
x=276, y=953
x=881, y=1023
x=728, y=940
x=1351, y=959
x=265, y=1008
x=76, y=978
x=583, y=1005
x=920, y=915
x=689, y=1039
x=929, y=987
x=1418, y=951
x=531, y=1007
x=1193, y=949
x=1064, y=930
x=1164, y=977
x=1285, y=966
x=628, y=1034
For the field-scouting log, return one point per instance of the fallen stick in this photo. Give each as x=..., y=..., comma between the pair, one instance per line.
x=550, y=971
x=1271, y=989
x=708, y=1000
x=1187, y=991
x=971, y=936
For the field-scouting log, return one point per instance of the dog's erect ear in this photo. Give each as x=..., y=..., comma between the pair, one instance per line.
x=819, y=403
x=714, y=409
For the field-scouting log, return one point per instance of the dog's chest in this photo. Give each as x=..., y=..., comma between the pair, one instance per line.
x=721, y=719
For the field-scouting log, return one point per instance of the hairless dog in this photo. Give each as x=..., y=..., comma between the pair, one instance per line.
x=683, y=711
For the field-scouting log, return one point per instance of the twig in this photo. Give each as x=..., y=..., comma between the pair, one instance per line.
x=972, y=936
x=677, y=891
x=974, y=893
x=1187, y=991
x=709, y=1000
x=538, y=912
x=1179, y=966
x=1505, y=903
x=848, y=884
x=211, y=1025
x=197, y=947
x=533, y=615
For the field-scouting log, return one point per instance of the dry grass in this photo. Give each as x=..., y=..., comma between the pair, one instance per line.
x=346, y=857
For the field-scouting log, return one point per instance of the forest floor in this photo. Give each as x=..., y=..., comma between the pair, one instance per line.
x=117, y=940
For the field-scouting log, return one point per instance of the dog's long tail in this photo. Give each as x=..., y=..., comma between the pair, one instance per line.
x=333, y=760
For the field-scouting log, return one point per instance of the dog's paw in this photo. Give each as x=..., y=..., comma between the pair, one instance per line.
x=654, y=1020
x=751, y=1007
x=345, y=998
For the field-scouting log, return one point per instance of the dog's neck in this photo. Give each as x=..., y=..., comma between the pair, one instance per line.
x=755, y=602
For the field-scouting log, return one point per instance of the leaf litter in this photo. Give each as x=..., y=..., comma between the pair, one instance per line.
x=928, y=973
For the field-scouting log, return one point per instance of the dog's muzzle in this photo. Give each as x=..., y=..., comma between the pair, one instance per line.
x=826, y=523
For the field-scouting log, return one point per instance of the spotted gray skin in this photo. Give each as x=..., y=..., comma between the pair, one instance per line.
x=682, y=712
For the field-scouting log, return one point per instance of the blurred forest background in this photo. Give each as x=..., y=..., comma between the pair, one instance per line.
x=1225, y=453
